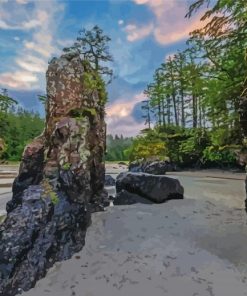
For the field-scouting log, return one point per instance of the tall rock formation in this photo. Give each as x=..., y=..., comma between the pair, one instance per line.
x=61, y=178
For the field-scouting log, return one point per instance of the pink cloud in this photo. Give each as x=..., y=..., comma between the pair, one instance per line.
x=135, y=33
x=169, y=25
x=126, y=126
x=18, y=79
x=119, y=116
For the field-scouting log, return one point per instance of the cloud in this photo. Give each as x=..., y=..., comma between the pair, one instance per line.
x=135, y=33
x=126, y=126
x=32, y=64
x=18, y=79
x=38, y=19
x=22, y=1
x=120, y=22
x=169, y=24
x=42, y=23
x=119, y=116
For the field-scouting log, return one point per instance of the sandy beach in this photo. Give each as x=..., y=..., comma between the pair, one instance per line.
x=181, y=248
x=190, y=247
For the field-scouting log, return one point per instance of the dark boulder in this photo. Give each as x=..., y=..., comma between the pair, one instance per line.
x=157, y=168
x=125, y=197
x=109, y=180
x=41, y=231
x=154, y=167
x=136, y=166
x=152, y=187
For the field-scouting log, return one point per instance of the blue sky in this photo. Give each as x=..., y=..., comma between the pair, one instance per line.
x=143, y=33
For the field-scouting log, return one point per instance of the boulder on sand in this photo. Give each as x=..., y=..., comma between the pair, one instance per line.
x=109, y=180
x=125, y=197
x=158, y=167
x=151, y=166
x=155, y=188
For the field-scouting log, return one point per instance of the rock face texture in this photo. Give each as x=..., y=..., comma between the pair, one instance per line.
x=157, y=189
x=109, y=180
x=125, y=197
x=61, y=179
x=154, y=167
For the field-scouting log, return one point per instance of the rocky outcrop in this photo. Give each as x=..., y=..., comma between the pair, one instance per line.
x=61, y=179
x=109, y=180
x=157, y=189
x=154, y=167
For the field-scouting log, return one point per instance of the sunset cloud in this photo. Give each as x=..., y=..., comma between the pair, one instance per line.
x=169, y=24
x=135, y=33
x=32, y=64
x=18, y=79
x=119, y=116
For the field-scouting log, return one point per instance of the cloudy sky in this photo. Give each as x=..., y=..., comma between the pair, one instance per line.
x=143, y=32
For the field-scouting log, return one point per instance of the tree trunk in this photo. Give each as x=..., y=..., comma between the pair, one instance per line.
x=194, y=110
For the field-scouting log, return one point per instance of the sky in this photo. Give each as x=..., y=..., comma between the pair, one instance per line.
x=143, y=34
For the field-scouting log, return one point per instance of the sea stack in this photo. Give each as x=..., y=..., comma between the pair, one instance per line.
x=61, y=178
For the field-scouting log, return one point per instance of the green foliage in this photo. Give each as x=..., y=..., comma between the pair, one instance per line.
x=92, y=81
x=221, y=156
x=197, y=95
x=147, y=146
x=49, y=191
x=17, y=128
x=5, y=101
x=116, y=147
x=92, y=45
x=183, y=146
x=191, y=149
x=54, y=197
x=66, y=166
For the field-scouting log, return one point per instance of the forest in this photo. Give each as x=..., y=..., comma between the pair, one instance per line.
x=17, y=127
x=193, y=106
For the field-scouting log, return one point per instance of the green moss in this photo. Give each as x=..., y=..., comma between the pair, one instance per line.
x=54, y=197
x=92, y=111
x=2, y=218
x=66, y=166
x=49, y=192
x=83, y=112
x=93, y=81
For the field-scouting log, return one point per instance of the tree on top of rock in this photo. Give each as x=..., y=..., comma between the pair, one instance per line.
x=92, y=45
